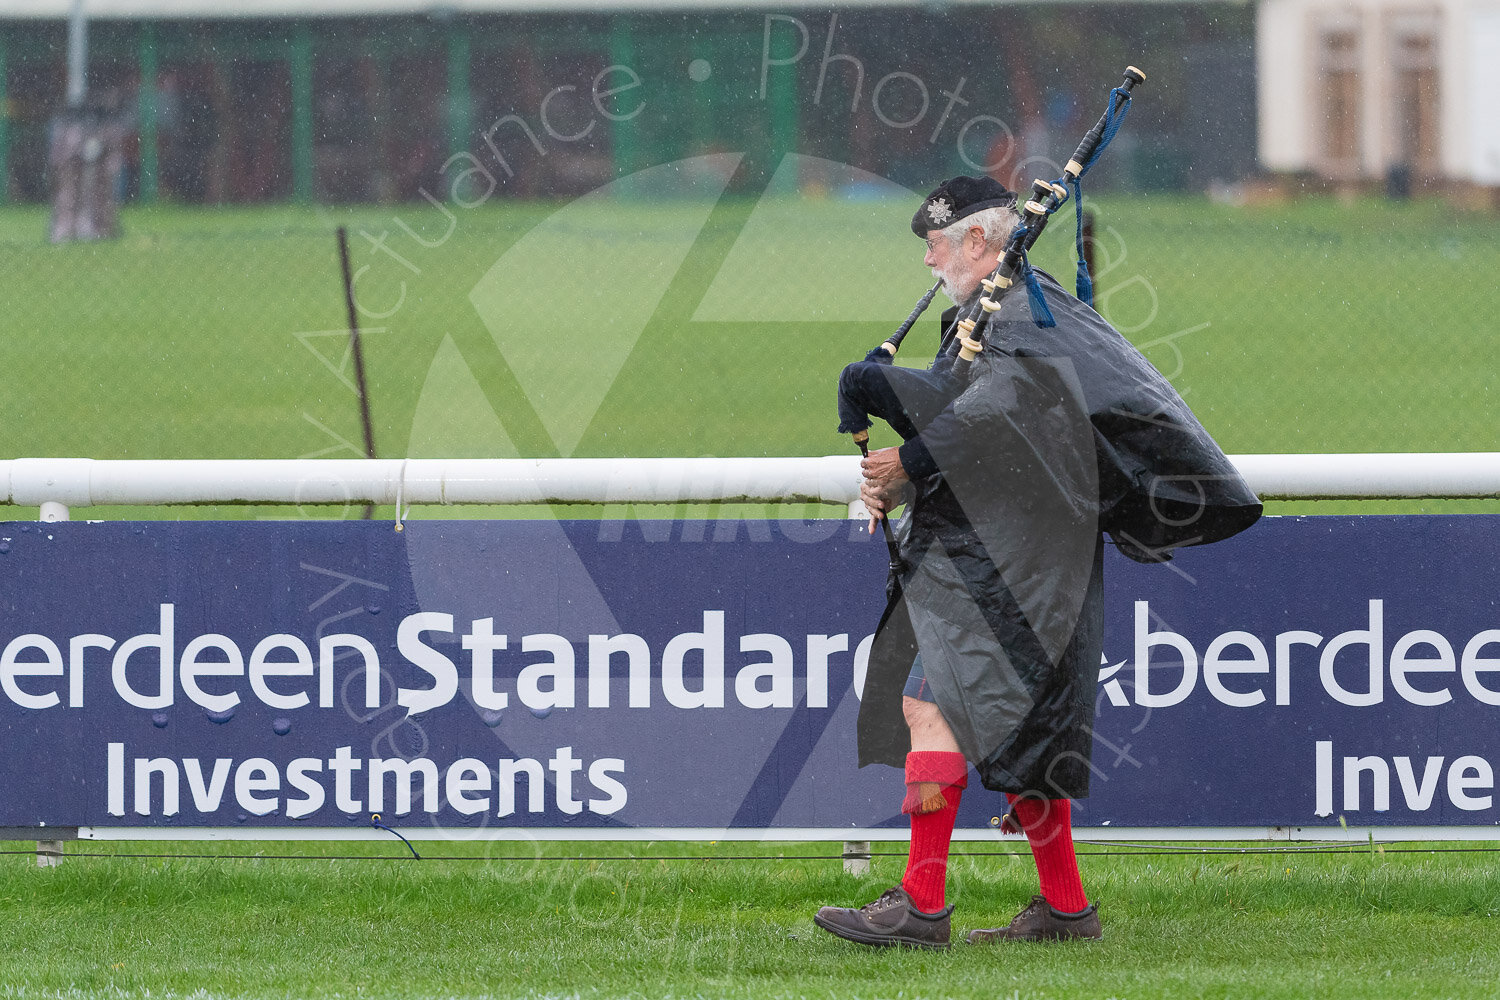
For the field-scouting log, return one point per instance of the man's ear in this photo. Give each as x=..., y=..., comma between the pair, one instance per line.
x=974, y=242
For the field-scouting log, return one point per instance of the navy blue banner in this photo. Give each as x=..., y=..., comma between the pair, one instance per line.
x=1310, y=670
x=704, y=675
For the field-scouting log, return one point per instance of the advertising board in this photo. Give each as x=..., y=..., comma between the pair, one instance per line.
x=602, y=677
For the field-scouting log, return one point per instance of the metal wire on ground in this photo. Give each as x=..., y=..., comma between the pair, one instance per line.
x=1146, y=850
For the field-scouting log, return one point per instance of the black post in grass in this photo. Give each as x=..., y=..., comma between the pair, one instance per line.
x=359, y=356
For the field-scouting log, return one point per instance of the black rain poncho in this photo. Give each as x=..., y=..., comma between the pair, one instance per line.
x=1059, y=433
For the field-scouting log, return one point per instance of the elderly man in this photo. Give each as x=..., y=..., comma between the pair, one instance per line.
x=989, y=648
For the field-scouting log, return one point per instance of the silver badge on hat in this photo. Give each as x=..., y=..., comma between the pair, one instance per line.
x=939, y=211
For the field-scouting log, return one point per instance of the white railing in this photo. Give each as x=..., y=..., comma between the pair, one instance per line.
x=57, y=484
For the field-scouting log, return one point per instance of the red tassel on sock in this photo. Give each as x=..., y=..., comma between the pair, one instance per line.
x=933, y=809
x=1049, y=829
x=928, y=772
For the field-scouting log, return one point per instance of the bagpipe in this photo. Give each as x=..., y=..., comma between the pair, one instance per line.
x=863, y=393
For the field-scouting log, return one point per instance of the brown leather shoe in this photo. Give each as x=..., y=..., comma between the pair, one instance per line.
x=1040, y=922
x=891, y=919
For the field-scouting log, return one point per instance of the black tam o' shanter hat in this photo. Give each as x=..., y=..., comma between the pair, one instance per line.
x=957, y=198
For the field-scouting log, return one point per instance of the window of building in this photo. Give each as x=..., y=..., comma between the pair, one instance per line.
x=1413, y=144
x=1339, y=94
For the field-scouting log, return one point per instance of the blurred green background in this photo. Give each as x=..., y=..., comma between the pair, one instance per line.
x=1315, y=326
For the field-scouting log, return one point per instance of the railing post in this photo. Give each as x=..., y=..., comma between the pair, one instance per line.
x=51, y=511
x=49, y=853
x=857, y=857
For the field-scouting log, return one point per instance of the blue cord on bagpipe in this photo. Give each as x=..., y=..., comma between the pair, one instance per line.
x=1113, y=118
x=1041, y=315
x=1119, y=104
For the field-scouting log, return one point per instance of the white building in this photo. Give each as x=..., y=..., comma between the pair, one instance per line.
x=1352, y=89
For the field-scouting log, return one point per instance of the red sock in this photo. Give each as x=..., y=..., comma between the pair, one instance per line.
x=933, y=810
x=1049, y=828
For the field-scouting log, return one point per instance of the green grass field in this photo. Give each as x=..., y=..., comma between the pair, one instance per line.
x=572, y=329
x=1289, y=924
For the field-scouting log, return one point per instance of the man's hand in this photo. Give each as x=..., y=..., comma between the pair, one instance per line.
x=882, y=468
x=884, y=483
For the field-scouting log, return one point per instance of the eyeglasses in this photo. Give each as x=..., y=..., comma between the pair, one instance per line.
x=932, y=244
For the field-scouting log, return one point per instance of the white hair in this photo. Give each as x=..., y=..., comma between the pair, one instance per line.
x=997, y=223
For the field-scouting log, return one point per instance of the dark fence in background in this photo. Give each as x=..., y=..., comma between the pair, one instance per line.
x=368, y=109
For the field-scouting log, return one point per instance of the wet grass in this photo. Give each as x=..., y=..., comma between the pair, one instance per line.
x=650, y=924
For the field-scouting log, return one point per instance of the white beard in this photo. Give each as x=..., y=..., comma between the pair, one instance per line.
x=957, y=286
